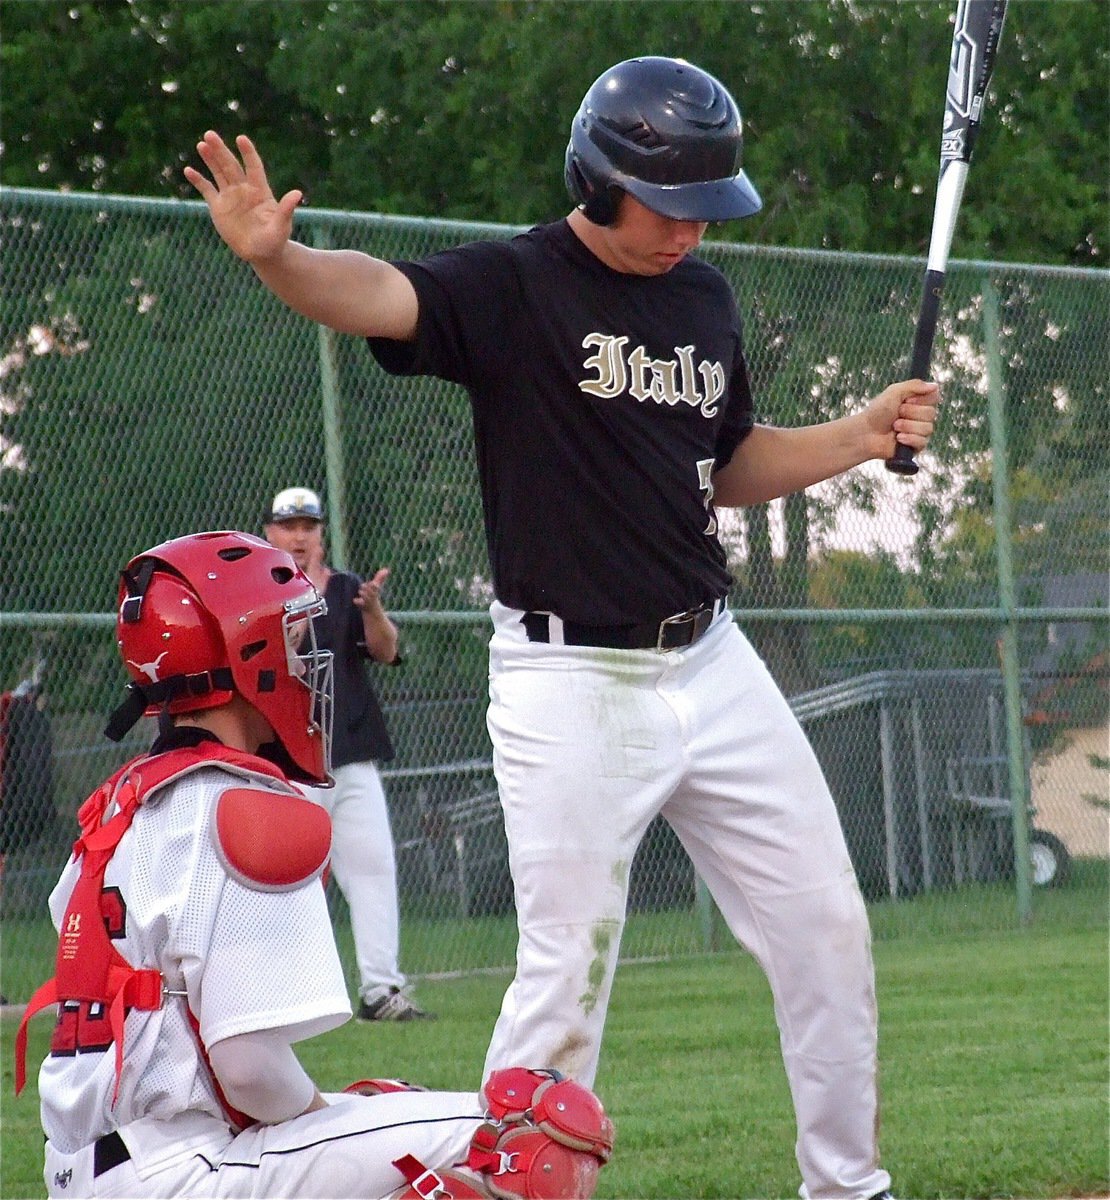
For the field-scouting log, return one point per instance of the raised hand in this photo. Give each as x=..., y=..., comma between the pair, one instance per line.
x=254, y=224
x=369, y=595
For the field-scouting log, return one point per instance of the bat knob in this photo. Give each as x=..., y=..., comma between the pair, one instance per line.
x=902, y=463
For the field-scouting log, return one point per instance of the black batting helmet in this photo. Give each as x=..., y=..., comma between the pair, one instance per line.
x=668, y=133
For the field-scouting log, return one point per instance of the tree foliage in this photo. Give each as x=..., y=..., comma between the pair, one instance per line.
x=448, y=108
x=459, y=109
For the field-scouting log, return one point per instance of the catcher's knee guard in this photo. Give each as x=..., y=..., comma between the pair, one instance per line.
x=545, y=1138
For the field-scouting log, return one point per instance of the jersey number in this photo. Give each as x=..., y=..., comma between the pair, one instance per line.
x=705, y=484
x=82, y=1025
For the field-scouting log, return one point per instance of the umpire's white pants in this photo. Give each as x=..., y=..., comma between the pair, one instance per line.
x=589, y=745
x=364, y=865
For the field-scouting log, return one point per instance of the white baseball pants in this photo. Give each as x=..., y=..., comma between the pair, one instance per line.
x=364, y=865
x=589, y=745
x=344, y=1150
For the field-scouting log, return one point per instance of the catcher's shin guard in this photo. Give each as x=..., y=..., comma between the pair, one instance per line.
x=377, y=1087
x=544, y=1138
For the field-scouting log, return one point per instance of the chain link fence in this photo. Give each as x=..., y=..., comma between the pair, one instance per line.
x=942, y=640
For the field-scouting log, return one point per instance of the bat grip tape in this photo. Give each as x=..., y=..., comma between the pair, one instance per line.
x=926, y=325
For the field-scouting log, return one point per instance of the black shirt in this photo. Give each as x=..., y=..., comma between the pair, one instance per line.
x=602, y=401
x=359, y=733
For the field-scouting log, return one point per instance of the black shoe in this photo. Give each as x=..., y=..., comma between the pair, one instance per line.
x=393, y=1006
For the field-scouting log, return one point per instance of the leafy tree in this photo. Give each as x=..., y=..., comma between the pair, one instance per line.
x=445, y=108
x=851, y=579
x=459, y=109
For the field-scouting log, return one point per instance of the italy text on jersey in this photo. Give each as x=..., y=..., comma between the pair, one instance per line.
x=666, y=381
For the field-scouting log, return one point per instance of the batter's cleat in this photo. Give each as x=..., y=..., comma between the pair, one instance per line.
x=393, y=1006
x=884, y=1195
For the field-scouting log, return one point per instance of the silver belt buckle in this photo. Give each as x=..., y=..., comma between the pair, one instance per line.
x=701, y=617
x=677, y=619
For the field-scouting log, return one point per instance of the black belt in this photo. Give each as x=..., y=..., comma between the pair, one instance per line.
x=672, y=633
x=108, y=1152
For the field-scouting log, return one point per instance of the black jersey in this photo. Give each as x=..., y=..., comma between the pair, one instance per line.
x=358, y=732
x=602, y=402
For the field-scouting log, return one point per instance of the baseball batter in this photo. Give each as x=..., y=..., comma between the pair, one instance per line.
x=195, y=947
x=612, y=418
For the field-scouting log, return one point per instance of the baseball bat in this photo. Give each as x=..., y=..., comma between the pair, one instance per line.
x=974, y=45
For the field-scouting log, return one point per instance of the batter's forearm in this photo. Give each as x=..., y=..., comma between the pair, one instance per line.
x=344, y=289
x=772, y=462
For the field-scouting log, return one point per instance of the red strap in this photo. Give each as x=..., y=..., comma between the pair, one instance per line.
x=378, y=1087
x=423, y=1180
x=117, y=1015
x=90, y=816
x=148, y=773
x=488, y=1162
x=410, y=1166
x=44, y=995
x=483, y=1155
x=132, y=989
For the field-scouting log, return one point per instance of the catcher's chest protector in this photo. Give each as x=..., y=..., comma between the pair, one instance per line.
x=88, y=967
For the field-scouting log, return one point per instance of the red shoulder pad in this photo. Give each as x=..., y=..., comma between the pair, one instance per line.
x=270, y=842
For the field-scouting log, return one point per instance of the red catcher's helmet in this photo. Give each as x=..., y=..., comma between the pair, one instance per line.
x=205, y=616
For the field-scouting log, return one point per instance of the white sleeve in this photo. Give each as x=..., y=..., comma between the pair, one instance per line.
x=260, y=1076
x=257, y=960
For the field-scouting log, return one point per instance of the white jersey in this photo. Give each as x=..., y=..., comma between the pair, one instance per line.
x=241, y=959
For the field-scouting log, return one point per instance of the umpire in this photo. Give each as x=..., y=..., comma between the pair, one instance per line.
x=356, y=628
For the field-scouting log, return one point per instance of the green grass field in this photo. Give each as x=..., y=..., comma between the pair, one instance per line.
x=993, y=1048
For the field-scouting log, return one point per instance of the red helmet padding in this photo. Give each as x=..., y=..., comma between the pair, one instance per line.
x=269, y=842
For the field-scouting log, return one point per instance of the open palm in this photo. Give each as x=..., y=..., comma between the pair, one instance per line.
x=250, y=220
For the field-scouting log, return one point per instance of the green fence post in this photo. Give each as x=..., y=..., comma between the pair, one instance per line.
x=333, y=439
x=707, y=916
x=1008, y=644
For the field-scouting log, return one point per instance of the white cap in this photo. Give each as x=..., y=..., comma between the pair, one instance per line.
x=295, y=502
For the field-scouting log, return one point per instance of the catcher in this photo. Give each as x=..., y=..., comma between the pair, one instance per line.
x=195, y=946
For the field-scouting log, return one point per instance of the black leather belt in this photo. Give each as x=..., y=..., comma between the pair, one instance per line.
x=672, y=633
x=108, y=1152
